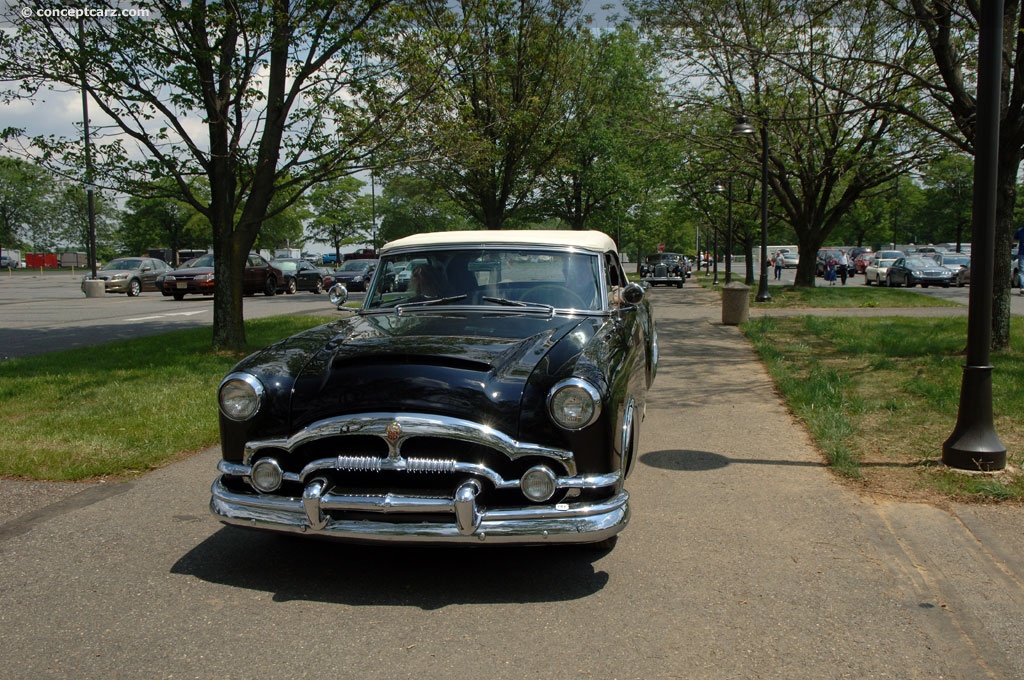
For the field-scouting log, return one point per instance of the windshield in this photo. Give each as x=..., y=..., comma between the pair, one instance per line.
x=123, y=264
x=511, y=276
x=203, y=261
x=355, y=266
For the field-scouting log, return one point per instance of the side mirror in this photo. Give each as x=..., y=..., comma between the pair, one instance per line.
x=632, y=294
x=338, y=295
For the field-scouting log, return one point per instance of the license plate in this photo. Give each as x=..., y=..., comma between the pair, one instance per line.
x=182, y=284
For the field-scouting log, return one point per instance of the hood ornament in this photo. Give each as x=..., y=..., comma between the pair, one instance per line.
x=393, y=431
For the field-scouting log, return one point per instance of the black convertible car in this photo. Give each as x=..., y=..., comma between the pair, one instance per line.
x=498, y=399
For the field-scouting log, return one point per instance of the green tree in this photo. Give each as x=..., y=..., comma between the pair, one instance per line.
x=340, y=217
x=611, y=151
x=71, y=212
x=496, y=115
x=768, y=61
x=161, y=222
x=411, y=205
x=289, y=93
x=26, y=192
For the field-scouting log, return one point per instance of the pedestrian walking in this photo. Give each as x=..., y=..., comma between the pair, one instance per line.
x=843, y=266
x=830, y=270
x=1019, y=237
x=780, y=263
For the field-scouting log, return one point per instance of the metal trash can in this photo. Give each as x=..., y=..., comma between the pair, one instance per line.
x=735, y=303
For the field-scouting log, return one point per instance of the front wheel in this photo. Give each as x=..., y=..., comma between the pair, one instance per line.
x=910, y=283
x=134, y=288
x=270, y=287
x=318, y=287
x=290, y=287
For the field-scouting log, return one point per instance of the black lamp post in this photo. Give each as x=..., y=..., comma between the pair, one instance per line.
x=745, y=129
x=727, y=189
x=714, y=255
x=974, y=444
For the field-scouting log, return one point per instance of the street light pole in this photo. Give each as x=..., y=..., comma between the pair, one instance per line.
x=728, y=237
x=745, y=129
x=974, y=444
x=714, y=254
x=762, y=287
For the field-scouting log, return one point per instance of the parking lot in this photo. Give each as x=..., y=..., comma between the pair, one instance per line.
x=42, y=312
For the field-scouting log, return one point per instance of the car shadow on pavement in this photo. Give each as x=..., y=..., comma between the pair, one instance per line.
x=301, y=568
x=700, y=461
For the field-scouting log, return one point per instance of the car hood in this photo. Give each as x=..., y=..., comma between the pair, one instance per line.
x=471, y=365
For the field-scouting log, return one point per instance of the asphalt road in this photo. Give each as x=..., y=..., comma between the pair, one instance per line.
x=43, y=312
x=744, y=558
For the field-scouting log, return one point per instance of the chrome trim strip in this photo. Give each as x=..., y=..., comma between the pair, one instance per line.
x=400, y=465
x=559, y=523
x=421, y=425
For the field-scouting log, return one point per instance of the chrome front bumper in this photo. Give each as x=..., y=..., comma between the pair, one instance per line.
x=467, y=522
x=442, y=516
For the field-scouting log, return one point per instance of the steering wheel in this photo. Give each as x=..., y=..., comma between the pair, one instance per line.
x=556, y=296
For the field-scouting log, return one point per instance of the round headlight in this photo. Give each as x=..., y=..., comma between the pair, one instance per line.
x=240, y=396
x=574, y=404
x=538, y=484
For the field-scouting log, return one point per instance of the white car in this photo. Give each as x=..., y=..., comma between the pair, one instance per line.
x=878, y=266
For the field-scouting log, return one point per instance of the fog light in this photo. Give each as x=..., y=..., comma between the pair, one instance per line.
x=538, y=484
x=266, y=475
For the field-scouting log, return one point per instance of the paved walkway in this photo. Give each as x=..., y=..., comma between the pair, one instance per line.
x=960, y=567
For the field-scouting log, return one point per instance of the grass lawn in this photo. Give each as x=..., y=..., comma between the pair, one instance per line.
x=854, y=294
x=120, y=409
x=880, y=395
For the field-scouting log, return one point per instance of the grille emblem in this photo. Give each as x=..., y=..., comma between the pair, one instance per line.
x=393, y=431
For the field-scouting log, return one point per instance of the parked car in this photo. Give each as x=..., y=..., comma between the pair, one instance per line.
x=196, y=277
x=498, y=400
x=860, y=262
x=299, y=275
x=910, y=271
x=664, y=268
x=354, y=274
x=878, y=265
x=8, y=262
x=964, y=276
x=403, y=273
x=790, y=257
x=130, y=275
x=360, y=254
x=960, y=263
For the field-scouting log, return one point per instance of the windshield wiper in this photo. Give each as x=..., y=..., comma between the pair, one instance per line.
x=432, y=301
x=505, y=302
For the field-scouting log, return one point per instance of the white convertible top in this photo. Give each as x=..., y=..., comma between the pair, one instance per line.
x=586, y=240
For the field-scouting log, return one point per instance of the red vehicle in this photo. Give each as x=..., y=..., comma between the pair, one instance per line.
x=197, y=278
x=361, y=254
x=860, y=263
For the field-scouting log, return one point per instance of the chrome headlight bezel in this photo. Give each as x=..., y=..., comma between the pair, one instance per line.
x=240, y=396
x=574, y=404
